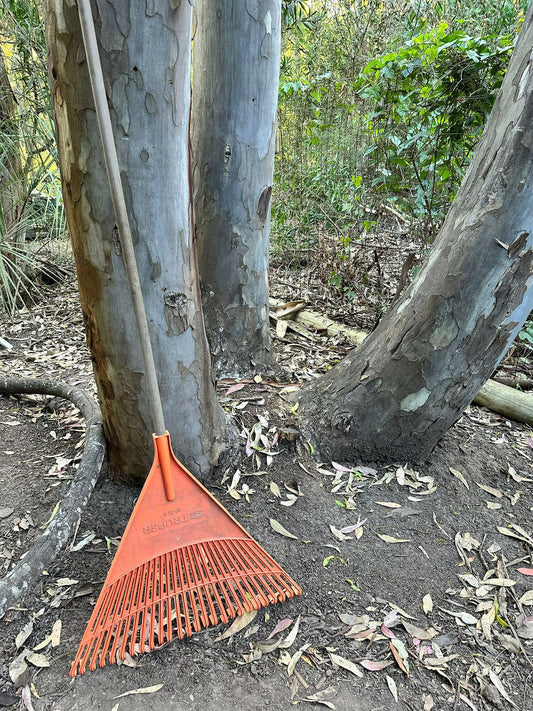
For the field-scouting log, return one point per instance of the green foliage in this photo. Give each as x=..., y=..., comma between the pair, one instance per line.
x=382, y=104
x=430, y=99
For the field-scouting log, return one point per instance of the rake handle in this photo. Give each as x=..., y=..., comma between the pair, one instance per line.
x=121, y=214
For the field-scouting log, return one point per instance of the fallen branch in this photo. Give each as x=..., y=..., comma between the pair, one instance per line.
x=28, y=570
x=506, y=401
x=311, y=319
x=500, y=398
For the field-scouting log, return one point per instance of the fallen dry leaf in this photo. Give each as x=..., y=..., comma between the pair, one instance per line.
x=439, y=661
x=291, y=637
x=280, y=627
x=23, y=635
x=38, y=660
x=414, y=631
x=500, y=582
x=399, y=652
x=56, y=633
x=392, y=686
x=390, y=539
x=26, y=698
x=145, y=690
x=276, y=525
x=322, y=696
x=388, y=504
x=490, y=490
x=524, y=627
x=527, y=598
x=459, y=476
x=295, y=659
x=238, y=624
x=374, y=666
x=525, y=571
x=427, y=604
x=346, y=664
x=498, y=684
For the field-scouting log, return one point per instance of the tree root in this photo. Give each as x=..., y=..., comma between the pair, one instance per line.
x=27, y=571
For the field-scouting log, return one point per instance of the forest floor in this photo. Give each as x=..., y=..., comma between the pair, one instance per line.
x=416, y=577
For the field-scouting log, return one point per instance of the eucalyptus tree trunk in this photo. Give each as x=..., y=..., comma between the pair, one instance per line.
x=395, y=396
x=145, y=54
x=236, y=55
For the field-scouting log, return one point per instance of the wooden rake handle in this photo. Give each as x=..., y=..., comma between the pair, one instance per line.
x=121, y=215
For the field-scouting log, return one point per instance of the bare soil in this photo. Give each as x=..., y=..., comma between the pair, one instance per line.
x=370, y=545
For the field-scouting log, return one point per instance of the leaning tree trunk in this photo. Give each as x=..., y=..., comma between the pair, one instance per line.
x=145, y=53
x=395, y=397
x=236, y=54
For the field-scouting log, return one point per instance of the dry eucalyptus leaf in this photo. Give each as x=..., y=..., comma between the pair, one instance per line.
x=290, y=638
x=339, y=535
x=388, y=504
x=294, y=660
x=274, y=488
x=280, y=627
x=18, y=670
x=527, y=598
x=322, y=696
x=65, y=582
x=493, y=506
x=38, y=660
x=390, y=539
x=524, y=627
x=346, y=664
x=500, y=582
x=56, y=633
x=490, y=490
x=459, y=476
x=374, y=666
x=498, y=684
x=427, y=604
x=392, y=686
x=415, y=631
x=145, y=690
x=439, y=661
x=429, y=704
x=508, y=642
x=23, y=635
x=465, y=617
x=238, y=624
x=276, y=525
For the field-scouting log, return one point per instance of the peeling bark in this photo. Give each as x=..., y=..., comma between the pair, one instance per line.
x=236, y=58
x=396, y=396
x=145, y=54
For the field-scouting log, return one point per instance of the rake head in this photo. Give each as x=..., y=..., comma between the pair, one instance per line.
x=182, y=566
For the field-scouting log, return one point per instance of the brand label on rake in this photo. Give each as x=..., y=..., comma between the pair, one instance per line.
x=172, y=519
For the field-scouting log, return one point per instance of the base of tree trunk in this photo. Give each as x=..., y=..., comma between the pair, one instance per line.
x=27, y=572
x=496, y=396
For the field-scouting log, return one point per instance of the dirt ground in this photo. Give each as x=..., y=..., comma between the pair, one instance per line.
x=417, y=578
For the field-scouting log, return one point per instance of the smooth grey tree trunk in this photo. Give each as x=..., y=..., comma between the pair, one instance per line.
x=145, y=54
x=236, y=55
x=395, y=397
